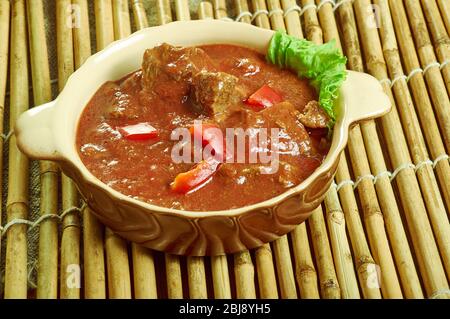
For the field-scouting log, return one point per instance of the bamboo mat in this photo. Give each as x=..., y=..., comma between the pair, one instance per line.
x=382, y=232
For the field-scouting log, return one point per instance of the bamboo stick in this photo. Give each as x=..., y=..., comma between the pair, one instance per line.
x=220, y=9
x=17, y=202
x=433, y=76
x=205, y=10
x=284, y=268
x=292, y=19
x=427, y=179
x=244, y=273
x=182, y=10
x=144, y=277
x=423, y=103
x=94, y=259
x=220, y=277
x=305, y=272
x=329, y=285
x=117, y=266
x=116, y=248
x=121, y=17
x=276, y=19
x=93, y=249
x=164, y=12
x=173, y=276
x=81, y=36
x=266, y=273
x=262, y=20
x=313, y=31
x=340, y=247
x=328, y=23
x=64, y=43
x=242, y=6
x=444, y=6
x=219, y=264
x=140, y=16
x=104, y=30
x=4, y=49
x=196, y=278
x=426, y=251
x=47, y=277
x=441, y=40
x=143, y=262
x=399, y=243
x=364, y=263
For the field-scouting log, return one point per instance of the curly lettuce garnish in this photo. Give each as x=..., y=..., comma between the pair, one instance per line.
x=323, y=64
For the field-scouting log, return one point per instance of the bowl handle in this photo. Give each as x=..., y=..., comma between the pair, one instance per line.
x=34, y=135
x=364, y=97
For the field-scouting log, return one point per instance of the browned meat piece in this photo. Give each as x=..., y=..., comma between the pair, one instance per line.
x=314, y=116
x=293, y=138
x=216, y=93
x=284, y=115
x=169, y=62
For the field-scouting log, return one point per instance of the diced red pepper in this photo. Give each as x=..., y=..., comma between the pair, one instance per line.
x=264, y=97
x=195, y=178
x=138, y=132
x=209, y=136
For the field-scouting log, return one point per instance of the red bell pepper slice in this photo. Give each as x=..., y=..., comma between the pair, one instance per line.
x=138, y=132
x=195, y=178
x=209, y=136
x=264, y=97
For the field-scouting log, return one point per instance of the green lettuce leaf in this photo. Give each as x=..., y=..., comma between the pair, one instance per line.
x=323, y=64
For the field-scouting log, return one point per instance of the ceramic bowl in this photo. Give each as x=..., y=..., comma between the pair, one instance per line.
x=48, y=132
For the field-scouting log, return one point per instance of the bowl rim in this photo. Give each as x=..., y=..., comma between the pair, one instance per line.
x=340, y=136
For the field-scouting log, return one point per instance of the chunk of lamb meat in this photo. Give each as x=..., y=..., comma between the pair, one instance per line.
x=167, y=62
x=313, y=116
x=293, y=138
x=123, y=105
x=285, y=115
x=216, y=93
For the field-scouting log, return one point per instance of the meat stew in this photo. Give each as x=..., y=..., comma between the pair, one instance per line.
x=126, y=132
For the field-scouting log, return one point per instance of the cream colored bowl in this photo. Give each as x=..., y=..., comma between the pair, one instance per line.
x=49, y=131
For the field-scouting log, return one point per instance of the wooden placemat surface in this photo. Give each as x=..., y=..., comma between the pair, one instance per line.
x=382, y=231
